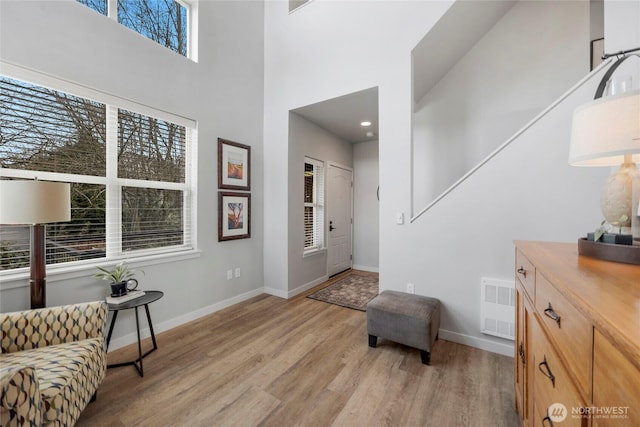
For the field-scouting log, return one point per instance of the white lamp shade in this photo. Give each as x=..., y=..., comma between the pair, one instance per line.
x=34, y=202
x=605, y=130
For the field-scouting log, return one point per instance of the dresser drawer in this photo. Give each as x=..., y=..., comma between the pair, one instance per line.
x=544, y=417
x=555, y=396
x=523, y=359
x=616, y=386
x=584, y=318
x=570, y=331
x=526, y=273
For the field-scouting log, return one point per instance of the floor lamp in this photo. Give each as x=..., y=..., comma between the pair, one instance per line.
x=35, y=203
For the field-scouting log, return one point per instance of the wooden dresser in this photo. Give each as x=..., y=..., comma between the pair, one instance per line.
x=577, y=356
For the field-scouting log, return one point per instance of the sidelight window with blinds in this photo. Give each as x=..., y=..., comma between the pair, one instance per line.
x=313, y=205
x=129, y=171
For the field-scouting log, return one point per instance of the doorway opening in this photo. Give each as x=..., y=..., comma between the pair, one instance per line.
x=342, y=134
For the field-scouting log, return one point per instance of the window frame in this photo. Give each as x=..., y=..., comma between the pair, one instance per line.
x=113, y=184
x=319, y=205
x=191, y=7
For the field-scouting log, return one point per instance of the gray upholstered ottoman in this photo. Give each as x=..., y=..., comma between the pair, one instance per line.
x=412, y=320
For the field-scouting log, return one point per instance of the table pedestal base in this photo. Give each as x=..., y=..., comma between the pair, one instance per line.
x=137, y=363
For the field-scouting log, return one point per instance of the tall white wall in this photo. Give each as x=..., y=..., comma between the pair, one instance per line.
x=528, y=59
x=528, y=192
x=621, y=25
x=223, y=92
x=307, y=139
x=324, y=50
x=366, y=220
x=622, y=32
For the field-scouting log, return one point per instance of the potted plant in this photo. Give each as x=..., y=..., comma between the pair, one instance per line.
x=120, y=278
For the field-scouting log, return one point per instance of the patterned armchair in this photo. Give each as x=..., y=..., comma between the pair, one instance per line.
x=52, y=363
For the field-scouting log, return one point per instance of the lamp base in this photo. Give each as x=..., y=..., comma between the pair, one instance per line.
x=38, y=262
x=628, y=254
x=616, y=198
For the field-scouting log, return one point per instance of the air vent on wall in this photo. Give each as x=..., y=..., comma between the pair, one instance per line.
x=497, y=308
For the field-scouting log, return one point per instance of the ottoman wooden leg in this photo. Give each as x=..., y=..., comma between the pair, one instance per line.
x=372, y=341
x=425, y=356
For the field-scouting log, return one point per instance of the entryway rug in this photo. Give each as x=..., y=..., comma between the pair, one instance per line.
x=353, y=291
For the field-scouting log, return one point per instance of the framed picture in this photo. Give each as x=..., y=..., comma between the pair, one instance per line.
x=234, y=165
x=597, y=50
x=234, y=216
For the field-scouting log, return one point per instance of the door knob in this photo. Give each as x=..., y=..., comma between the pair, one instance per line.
x=331, y=227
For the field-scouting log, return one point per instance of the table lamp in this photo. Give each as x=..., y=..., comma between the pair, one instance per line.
x=35, y=203
x=606, y=132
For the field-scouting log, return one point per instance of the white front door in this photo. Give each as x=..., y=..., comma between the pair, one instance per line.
x=340, y=226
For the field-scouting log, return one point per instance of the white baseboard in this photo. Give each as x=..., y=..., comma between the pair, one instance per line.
x=292, y=293
x=483, y=344
x=116, y=343
x=280, y=293
x=366, y=268
x=307, y=286
x=131, y=338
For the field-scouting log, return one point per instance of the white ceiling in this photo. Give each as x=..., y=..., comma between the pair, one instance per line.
x=342, y=116
x=449, y=40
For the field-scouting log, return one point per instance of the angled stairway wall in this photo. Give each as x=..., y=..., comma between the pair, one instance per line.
x=527, y=191
x=528, y=58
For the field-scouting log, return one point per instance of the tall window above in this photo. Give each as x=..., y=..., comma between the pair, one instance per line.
x=99, y=6
x=313, y=205
x=164, y=21
x=129, y=175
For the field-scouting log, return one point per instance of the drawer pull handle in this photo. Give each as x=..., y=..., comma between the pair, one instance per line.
x=521, y=353
x=522, y=271
x=546, y=420
x=547, y=371
x=552, y=315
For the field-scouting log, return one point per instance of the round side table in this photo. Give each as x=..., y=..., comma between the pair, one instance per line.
x=144, y=300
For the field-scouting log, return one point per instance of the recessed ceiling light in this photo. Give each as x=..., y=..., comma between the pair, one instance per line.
x=369, y=134
x=365, y=123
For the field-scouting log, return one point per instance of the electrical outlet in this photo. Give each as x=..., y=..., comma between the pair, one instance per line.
x=411, y=288
x=229, y=274
x=237, y=272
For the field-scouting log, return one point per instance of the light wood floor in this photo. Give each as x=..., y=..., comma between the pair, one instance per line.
x=300, y=362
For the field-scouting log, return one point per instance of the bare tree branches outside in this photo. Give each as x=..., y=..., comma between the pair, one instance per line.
x=43, y=130
x=99, y=6
x=163, y=21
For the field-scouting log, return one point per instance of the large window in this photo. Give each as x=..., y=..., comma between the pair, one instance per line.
x=313, y=205
x=129, y=174
x=163, y=21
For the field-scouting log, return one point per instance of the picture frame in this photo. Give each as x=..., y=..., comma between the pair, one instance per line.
x=234, y=165
x=597, y=50
x=234, y=216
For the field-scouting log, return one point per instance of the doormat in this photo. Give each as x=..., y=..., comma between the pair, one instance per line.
x=353, y=291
